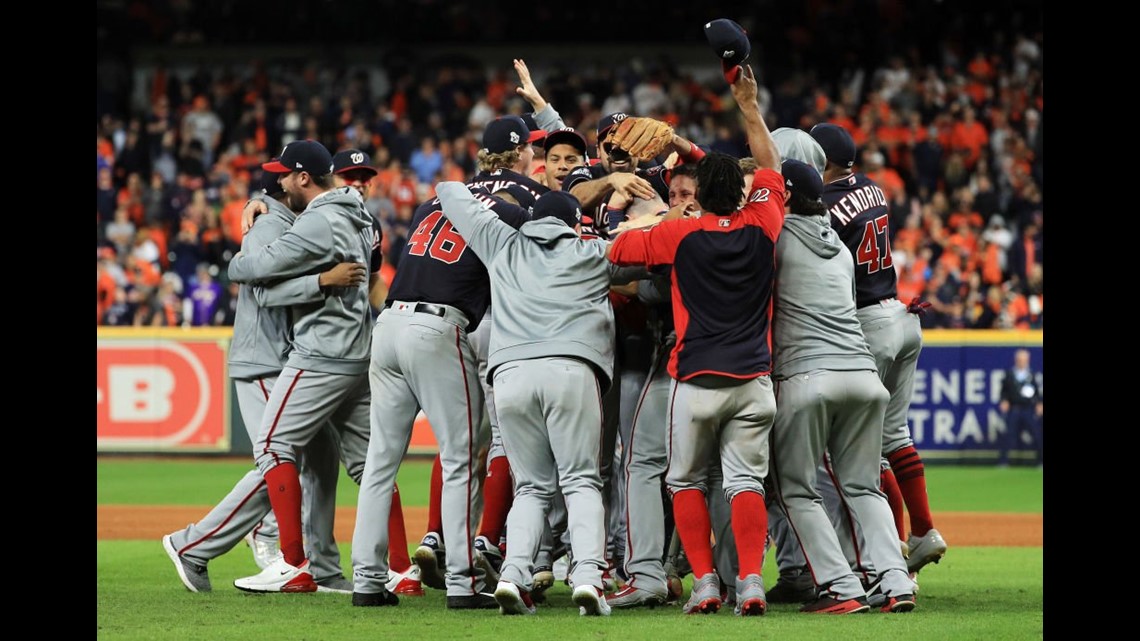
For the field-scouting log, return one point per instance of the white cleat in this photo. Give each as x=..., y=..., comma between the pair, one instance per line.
x=279, y=577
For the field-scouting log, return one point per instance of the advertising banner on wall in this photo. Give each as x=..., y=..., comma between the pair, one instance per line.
x=166, y=390
x=954, y=413
x=162, y=391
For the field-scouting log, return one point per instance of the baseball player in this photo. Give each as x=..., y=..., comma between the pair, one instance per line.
x=721, y=398
x=859, y=214
x=260, y=345
x=795, y=583
x=353, y=168
x=324, y=378
x=618, y=172
x=645, y=399
x=422, y=358
x=830, y=401
x=550, y=359
x=502, y=164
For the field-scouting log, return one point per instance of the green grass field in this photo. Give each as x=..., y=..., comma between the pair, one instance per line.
x=974, y=593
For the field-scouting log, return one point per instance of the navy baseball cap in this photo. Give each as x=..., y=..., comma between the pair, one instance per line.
x=350, y=159
x=302, y=155
x=730, y=42
x=560, y=205
x=609, y=121
x=801, y=178
x=837, y=144
x=269, y=183
x=566, y=136
x=507, y=132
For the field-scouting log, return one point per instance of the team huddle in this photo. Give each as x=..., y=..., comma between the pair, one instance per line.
x=657, y=362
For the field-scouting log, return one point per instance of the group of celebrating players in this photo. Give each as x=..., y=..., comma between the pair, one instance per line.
x=659, y=361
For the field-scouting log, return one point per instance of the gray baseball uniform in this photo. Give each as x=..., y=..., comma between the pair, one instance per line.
x=421, y=360
x=550, y=360
x=894, y=337
x=324, y=378
x=258, y=350
x=830, y=400
x=643, y=443
x=422, y=357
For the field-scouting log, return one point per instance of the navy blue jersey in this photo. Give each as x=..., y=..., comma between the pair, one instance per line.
x=595, y=223
x=723, y=273
x=525, y=190
x=435, y=266
x=860, y=215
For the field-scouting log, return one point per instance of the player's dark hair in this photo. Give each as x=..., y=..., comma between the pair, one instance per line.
x=324, y=182
x=686, y=169
x=720, y=183
x=806, y=207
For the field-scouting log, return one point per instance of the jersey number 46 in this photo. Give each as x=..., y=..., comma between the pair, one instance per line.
x=444, y=244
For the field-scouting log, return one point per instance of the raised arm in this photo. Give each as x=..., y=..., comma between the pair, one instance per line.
x=760, y=141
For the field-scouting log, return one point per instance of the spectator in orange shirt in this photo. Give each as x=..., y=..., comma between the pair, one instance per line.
x=913, y=275
x=839, y=116
x=886, y=178
x=106, y=286
x=895, y=137
x=970, y=136
x=963, y=212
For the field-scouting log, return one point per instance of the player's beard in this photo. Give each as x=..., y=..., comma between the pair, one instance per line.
x=293, y=202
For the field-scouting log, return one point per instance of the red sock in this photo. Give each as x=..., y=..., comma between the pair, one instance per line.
x=498, y=495
x=435, y=499
x=890, y=487
x=691, y=514
x=398, y=560
x=285, y=497
x=911, y=473
x=749, y=526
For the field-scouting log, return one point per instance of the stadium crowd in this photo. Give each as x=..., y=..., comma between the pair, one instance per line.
x=954, y=140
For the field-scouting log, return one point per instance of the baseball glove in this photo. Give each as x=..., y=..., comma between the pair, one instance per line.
x=644, y=138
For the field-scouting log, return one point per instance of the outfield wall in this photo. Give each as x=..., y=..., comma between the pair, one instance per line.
x=166, y=390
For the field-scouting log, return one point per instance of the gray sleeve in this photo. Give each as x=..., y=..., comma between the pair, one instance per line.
x=484, y=232
x=549, y=118
x=302, y=289
x=301, y=250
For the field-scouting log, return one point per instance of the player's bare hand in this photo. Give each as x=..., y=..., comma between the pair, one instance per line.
x=680, y=211
x=617, y=200
x=344, y=275
x=631, y=185
x=527, y=89
x=744, y=89
x=253, y=209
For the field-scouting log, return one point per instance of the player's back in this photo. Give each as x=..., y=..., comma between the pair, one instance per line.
x=724, y=272
x=437, y=267
x=860, y=214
